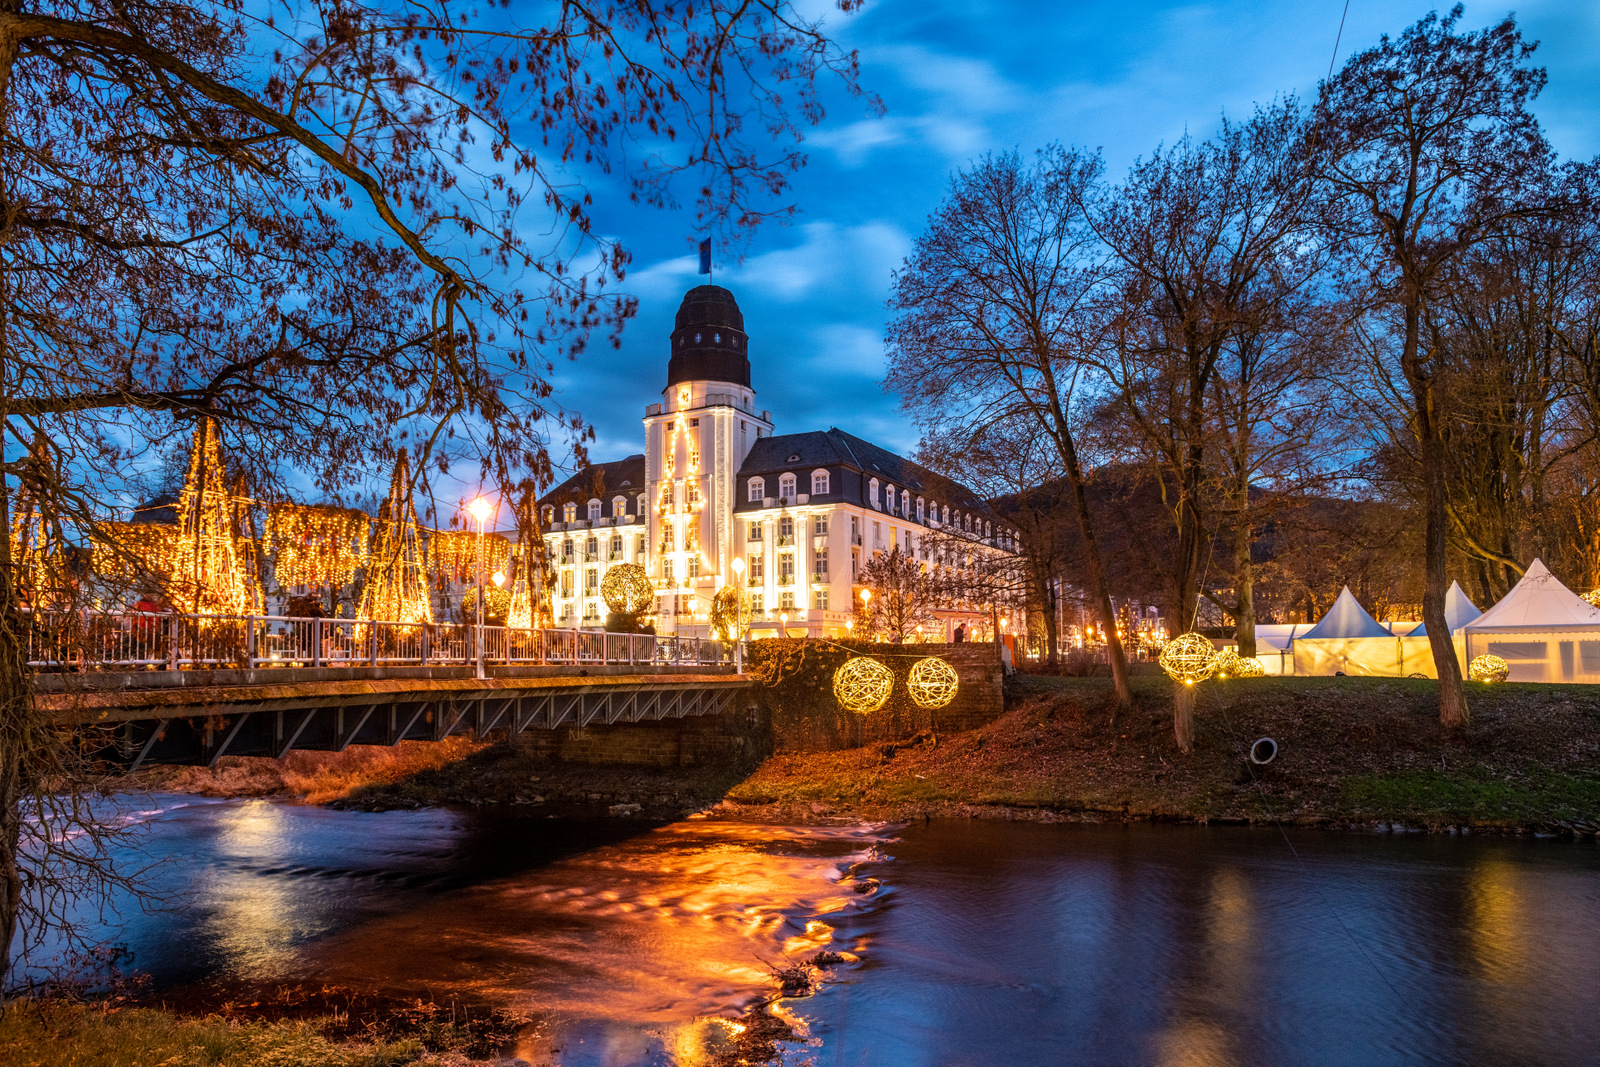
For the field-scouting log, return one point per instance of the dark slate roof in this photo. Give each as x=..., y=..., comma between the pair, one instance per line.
x=833, y=447
x=708, y=339
x=602, y=480
x=161, y=510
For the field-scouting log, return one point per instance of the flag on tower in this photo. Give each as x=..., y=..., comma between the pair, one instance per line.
x=705, y=256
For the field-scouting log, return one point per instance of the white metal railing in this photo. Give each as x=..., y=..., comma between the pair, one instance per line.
x=94, y=640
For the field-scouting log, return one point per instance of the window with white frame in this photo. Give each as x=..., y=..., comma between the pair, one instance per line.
x=569, y=513
x=755, y=530
x=872, y=494
x=758, y=490
x=819, y=483
x=619, y=506
x=549, y=513
x=786, y=568
x=905, y=502
x=694, y=566
x=786, y=601
x=566, y=583
x=666, y=569
x=819, y=599
x=920, y=510
x=786, y=526
x=591, y=580
x=889, y=499
x=757, y=567
x=786, y=487
x=616, y=546
x=758, y=602
x=640, y=511
x=822, y=565
x=566, y=550
x=820, y=526
x=594, y=511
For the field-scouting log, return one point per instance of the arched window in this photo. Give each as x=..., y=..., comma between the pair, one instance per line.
x=641, y=505
x=988, y=531
x=594, y=511
x=889, y=498
x=905, y=502
x=946, y=519
x=619, y=506
x=569, y=513
x=819, y=483
x=872, y=495
x=549, y=513
x=758, y=490
x=786, y=488
x=921, y=510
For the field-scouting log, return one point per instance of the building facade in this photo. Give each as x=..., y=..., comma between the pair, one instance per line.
x=801, y=513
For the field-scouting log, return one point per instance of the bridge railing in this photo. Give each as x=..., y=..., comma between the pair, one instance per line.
x=133, y=640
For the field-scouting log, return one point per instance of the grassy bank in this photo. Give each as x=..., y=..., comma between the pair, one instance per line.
x=1351, y=751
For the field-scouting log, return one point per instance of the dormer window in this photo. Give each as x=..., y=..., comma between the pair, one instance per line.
x=905, y=502
x=641, y=504
x=549, y=513
x=594, y=511
x=920, y=517
x=569, y=513
x=872, y=495
x=619, y=506
x=819, y=483
x=889, y=499
x=786, y=487
x=758, y=490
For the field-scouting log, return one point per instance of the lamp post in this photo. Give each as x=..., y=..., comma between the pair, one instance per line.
x=866, y=609
x=738, y=614
x=481, y=509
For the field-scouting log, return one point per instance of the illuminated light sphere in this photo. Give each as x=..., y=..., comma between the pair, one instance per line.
x=1226, y=663
x=932, y=683
x=1593, y=597
x=862, y=684
x=627, y=589
x=1489, y=669
x=1248, y=667
x=1188, y=658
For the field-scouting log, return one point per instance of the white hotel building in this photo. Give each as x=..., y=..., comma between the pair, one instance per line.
x=804, y=511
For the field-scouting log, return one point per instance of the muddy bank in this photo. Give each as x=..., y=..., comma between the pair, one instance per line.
x=1360, y=752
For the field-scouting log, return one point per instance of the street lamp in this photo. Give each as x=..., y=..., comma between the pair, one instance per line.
x=480, y=509
x=866, y=605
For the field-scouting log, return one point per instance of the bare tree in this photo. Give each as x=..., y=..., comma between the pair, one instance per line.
x=990, y=321
x=315, y=229
x=1423, y=146
x=903, y=596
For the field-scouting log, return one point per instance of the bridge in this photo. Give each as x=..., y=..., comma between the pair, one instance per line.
x=171, y=688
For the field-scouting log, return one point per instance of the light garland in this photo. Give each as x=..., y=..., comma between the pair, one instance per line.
x=1226, y=663
x=932, y=683
x=135, y=550
x=1188, y=658
x=315, y=545
x=730, y=612
x=627, y=589
x=396, y=589
x=862, y=685
x=453, y=554
x=1248, y=667
x=1489, y=669
x=210, y=575
x=1592, y=597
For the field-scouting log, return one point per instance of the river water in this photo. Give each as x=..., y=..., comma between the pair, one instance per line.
x=966, y=943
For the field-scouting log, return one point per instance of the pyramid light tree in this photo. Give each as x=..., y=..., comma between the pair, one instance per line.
x=211, y=572
x=528, y=569
x=396, y=589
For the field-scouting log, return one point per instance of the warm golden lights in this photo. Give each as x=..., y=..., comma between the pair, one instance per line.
x=627, y=589
x=862, y=685
x=1188, y=658
x=1489, y=669
x=932, y=683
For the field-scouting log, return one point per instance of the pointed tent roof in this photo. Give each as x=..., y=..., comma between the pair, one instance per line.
x=1458, y=611
x=1539, y=599
x=1346, y=618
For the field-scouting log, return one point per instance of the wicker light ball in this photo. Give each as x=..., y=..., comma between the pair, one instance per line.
x=1226, y=664
x=730, y=612
x=932, y=683
x=1592, y=596
x=1489, y=669
x=1188, y=658
x=627, y=589
x=862, y=684
x=1248, y=667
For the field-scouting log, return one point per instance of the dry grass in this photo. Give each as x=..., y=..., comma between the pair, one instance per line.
x=319, y=777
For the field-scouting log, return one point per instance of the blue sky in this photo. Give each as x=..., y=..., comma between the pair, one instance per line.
x=959, y=79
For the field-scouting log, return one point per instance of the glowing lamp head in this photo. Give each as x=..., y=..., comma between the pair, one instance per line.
x=499, y=578
x=480, y=508
x=737, y=565
x=866, y=596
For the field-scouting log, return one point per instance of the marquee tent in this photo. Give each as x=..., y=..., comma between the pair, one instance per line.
x=1458, y=611
x=1542, y=629
x=1347, y=640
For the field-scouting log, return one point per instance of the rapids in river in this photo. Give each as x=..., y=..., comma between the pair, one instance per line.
x=963, y=943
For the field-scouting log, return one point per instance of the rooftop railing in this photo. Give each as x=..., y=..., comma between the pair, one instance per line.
x=120, y=641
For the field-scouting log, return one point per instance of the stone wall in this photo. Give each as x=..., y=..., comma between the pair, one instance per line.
x=806, y=717
x=740, y=737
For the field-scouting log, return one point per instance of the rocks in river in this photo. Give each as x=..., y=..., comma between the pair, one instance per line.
x=623, y=810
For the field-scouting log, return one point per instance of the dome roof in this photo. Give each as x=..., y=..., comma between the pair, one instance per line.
x=708, y=339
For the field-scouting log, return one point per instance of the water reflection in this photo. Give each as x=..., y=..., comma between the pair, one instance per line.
x=984, y=943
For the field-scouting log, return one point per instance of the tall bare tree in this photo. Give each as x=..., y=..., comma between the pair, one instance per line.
x=990, y=321
x=1423, y=146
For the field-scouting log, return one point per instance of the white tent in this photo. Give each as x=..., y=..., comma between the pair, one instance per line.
x=1274, y=645
x=1458, y=611
x=1542, y=629
x=1347, y=640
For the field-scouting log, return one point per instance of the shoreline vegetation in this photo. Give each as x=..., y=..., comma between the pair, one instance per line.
x=1353, y=752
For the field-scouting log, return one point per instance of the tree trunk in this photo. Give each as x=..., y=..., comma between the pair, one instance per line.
x=1453, y=711
x=1183, y=716
x=1098, y=586
x=1244, y=615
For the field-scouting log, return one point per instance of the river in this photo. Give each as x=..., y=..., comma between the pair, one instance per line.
x=965, y=943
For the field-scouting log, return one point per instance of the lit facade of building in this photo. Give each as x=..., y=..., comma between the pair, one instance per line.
x=802, y=512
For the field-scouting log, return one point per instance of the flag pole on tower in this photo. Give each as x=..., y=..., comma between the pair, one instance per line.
x=705, y=258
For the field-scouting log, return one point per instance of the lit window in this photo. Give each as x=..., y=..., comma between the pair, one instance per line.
x=619, y=506
x=758, y=602
x=694, y=566
x=549, y=513
x=819, y=483
x=569, y=513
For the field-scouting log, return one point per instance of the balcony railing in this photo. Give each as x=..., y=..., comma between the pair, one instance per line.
x=120, y=641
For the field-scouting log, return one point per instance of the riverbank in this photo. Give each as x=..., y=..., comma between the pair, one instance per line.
x=1361, y=752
